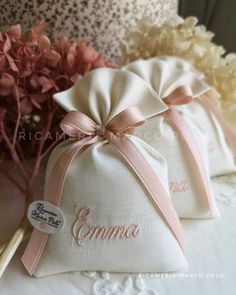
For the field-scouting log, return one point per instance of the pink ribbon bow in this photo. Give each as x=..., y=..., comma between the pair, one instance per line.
x=116, y=133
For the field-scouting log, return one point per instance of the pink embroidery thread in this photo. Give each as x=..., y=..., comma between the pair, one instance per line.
x=179, y=187
x=82, y=230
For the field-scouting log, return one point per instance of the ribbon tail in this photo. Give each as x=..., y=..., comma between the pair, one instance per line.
x=185, y=131
x=148, y=177
x=52, y=194
x=228, y=132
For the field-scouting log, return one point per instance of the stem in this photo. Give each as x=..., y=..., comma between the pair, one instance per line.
x=26, y=237
x=50, y=147
x=21, y=154
x=2, y=247
x=18, y=115
x=46, y=130
x=14, y=154
x=8, y=175
x=13, y=245
x=39, y=156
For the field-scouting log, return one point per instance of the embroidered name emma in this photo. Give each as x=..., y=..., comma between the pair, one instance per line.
x=82, y=230
x=179, y=186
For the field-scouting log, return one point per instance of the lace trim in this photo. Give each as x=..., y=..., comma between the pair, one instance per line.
x=225, y=187
x=104, y=285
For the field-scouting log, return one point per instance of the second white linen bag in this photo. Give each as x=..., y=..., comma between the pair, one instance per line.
x=175, y=135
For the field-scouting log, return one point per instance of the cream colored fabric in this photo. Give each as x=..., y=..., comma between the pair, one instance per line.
x=104, y=93
x=179, y=64
x=164, y=75
x=102, y=181
x=221, y=159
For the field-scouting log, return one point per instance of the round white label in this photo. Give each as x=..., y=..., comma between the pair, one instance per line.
x=45, y=217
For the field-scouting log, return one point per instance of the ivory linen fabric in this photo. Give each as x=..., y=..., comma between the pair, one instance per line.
x=164, y=75
x=100, y=181
x=221, y=158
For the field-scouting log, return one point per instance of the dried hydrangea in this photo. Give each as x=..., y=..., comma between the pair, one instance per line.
x=32, y=69
x=186, y=39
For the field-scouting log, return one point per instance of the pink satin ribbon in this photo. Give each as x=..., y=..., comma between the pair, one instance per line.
x=180, y=96
x=228, y=132
x=115, y=132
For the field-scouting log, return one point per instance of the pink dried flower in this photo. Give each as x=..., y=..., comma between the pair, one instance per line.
x=7, y=81
x=32, y=69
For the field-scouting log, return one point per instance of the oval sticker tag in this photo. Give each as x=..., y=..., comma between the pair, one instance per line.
x=45, y=217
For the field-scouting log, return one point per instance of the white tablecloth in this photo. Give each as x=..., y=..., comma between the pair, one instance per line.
x=210, y=250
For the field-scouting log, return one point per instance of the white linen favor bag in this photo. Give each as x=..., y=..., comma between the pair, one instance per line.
x=177, y=137
x=110, y=187
x=221, y=140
